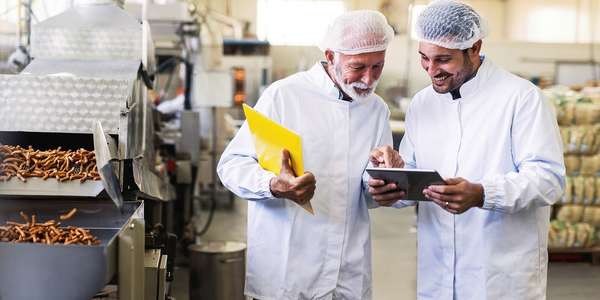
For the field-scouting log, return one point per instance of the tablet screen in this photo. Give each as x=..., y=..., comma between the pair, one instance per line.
x=414, y=181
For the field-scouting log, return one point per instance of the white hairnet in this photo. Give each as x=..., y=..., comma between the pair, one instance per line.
x=356, y=32
x=450, y=24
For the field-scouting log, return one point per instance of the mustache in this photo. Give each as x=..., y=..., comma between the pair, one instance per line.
x=443, y=74
x=360, y=85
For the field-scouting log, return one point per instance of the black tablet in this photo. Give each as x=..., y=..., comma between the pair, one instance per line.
x=414, y=181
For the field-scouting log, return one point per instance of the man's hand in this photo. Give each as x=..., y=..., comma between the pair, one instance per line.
x=457, y=196
x=385, y=194
x=386, y=157
x=286, y=185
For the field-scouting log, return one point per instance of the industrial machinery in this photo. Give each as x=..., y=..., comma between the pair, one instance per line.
x=228, y=70
x=87, y=88
x=222, y=70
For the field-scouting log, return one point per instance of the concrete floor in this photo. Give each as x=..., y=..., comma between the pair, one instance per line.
x=394, y=257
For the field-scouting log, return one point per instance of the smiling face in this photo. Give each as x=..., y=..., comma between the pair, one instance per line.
x=449, y=68
x=357, y=75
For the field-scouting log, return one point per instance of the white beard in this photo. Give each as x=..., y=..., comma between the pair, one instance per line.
x=349, y=88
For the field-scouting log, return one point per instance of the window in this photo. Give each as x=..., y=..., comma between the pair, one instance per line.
x=295, y=22
x=566, y=21
x=9, y=18
x=537, y=21
x=41, y=10
x=542, y=25
x=414, y=11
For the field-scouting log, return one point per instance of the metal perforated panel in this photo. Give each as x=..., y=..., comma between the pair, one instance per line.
x=65, y=43
x=88, y=32
x=61, y=103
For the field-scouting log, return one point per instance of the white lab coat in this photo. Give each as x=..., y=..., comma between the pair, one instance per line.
x=503, y=134
x=292, y=254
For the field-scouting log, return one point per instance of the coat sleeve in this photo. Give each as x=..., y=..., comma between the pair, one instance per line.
x=238, y=167
x=407, y=150
x=537, y=154
x=384, y=138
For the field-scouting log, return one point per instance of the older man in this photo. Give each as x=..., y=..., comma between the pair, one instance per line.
x=293, y=254
x=496, y=140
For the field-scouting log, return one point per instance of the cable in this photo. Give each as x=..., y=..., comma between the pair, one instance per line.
x=211, y=214
x=165, y=89
x=189, y=73
x=166, y=63
x=213, y=194
x=30, y=9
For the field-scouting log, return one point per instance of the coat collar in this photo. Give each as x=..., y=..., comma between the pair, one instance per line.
x=324, y=82
x=325, y=85
x=472, y=86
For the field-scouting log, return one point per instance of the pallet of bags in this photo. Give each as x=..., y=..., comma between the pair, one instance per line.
x=571, y=235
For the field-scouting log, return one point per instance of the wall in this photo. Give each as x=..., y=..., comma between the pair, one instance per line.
x=524, y=58
x=527, y=59
x=244, y=10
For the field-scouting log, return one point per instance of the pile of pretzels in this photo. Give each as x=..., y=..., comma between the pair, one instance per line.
x=62, y=165
x=48, y=232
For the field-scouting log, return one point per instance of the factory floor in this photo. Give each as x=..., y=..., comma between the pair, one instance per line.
x=394, y=257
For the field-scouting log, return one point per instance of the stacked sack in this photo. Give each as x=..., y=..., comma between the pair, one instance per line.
x=570, y=235
x=579, y=215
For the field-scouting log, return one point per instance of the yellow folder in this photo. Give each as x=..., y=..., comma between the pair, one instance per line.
x=269, y=139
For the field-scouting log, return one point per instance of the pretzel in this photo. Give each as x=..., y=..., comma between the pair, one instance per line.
x=62, y=165
x=68, y=215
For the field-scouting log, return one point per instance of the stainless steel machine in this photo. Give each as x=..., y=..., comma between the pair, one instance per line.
x=87, y=88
